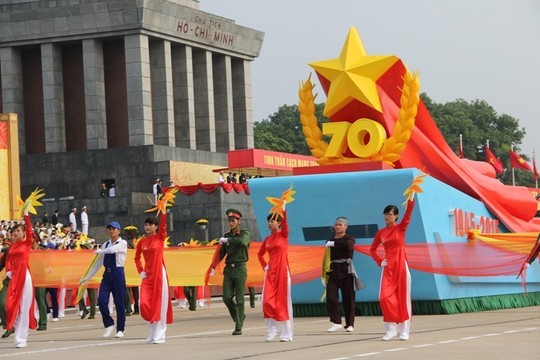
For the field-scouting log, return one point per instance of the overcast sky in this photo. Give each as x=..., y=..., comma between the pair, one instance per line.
x=487, y=50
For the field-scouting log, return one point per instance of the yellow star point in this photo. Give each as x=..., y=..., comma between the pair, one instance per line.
x=353, y=75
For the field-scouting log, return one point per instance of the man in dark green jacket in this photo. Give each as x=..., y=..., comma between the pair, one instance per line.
x=234, y=248
x=3, y=292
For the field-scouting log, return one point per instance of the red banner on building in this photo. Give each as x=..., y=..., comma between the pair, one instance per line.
x=266, y=163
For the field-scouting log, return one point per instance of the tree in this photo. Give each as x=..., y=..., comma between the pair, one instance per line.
x=282, y=131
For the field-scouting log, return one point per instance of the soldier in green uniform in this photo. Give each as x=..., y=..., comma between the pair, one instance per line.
x=234, y=248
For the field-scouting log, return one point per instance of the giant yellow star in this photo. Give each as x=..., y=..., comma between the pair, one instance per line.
x=353, y=75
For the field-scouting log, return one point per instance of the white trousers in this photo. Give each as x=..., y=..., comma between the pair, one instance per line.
x=158, y=328
x=403, y=328
x=284, y=328
x=22, y=323
x=62, y=302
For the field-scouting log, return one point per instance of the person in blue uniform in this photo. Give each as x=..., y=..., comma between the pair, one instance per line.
x=112, y=255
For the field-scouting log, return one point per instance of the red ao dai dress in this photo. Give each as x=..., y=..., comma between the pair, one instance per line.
x=155, y=303
x=276, y=294
x=395, y=288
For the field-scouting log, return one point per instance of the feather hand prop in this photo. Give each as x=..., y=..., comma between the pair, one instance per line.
x=29, y=205
x=414, y=188
x=213, y=242
x=277, y=204
x=136, y=240
x=192, y=243
x=164, y=201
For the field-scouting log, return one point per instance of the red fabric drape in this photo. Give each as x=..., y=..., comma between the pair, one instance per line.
x=428, y=150
x=210, y=188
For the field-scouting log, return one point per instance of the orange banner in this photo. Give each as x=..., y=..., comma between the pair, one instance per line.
x=186, y=266
x=484, y=255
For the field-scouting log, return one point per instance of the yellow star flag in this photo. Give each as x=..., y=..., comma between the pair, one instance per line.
x=353, y=75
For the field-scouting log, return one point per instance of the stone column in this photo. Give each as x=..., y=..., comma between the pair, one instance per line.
x=139, y=90
x=53, y=98
x=12, y=90
x=94, y=96
x=223, y=103
x=204, y=100
x=162, y=92
x=184, y=97
x=243, y=110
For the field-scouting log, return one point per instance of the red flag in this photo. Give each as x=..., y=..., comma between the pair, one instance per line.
x=535, y=170
x=493, y=160
x=517, y=162
x=460, y=150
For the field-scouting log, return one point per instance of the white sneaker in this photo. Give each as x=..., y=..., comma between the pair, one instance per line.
x=349, y=329
x=148, y=340
x=404, y=337
x=120, y=334
x=108, y=331
x=200, y=303
x=390, y=335
x=55, y=319
x=182, y=303
x=285, y=339
x=158, y=341
x=20, y=345
x=334, y=327
x=271, y=336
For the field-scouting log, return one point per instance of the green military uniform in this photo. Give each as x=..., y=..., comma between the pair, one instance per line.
x=235, y=252
x=191, y=297
x=132, y=292
x=92, y=295
x=3, y=293
x=39, y=294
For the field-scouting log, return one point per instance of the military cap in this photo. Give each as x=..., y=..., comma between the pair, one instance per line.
x=233, y=213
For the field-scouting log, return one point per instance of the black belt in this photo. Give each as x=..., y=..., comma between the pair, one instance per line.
x=109, y=269
x=236, y=264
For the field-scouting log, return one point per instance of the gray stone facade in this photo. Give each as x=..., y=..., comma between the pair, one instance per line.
x=73, y=179
x=116, y=90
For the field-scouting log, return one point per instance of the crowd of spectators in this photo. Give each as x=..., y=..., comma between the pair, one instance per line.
x=49, y=236
x=233, y=178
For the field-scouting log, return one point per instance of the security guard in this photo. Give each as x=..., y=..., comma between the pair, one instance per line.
x=234, y=248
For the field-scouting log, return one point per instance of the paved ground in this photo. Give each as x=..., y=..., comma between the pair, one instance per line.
x=206, y=334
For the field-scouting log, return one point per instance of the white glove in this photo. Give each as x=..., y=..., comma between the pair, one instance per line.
x=323, y=283
x=266, y=268
x=143, y=275
x=212, y=272
x=527, y=265
x=98, y=251
x=8, y=274
x=283, y=206
x=384, y=263
x=223, y=240
x=330, y=243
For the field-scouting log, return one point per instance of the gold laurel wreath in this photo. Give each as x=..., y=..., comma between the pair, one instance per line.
x=393, y=146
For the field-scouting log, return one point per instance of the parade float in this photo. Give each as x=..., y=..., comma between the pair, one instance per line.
x=469, y=235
